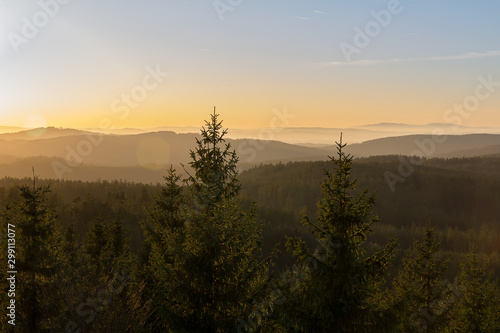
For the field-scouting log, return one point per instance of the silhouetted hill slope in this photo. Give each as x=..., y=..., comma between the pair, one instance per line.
x=459, y=192
x=147, y=149
x=463, y=193
x=44, y=169
x=325, y=136
x=10, y=129
x=309, y=136
x=41, y=133
x=156, y=150
x=481, y=151
x=424, y=145
x=430, y=128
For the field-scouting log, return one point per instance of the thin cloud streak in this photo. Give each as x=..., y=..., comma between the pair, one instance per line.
x=371, y=62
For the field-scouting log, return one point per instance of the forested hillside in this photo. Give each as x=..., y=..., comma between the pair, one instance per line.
x=459, y=197
x=78, y=155
x=461, y=193
x=278, y=248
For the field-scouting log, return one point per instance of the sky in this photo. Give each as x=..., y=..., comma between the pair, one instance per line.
x=295, y=63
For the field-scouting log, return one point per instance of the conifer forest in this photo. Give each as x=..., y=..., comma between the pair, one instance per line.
x=285, y=247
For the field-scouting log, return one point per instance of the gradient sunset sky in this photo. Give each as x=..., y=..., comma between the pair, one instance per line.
x=248, y=58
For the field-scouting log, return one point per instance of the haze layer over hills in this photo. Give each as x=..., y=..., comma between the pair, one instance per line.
x=137, y=155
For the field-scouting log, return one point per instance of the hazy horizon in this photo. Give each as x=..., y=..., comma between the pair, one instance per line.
x=196, y=127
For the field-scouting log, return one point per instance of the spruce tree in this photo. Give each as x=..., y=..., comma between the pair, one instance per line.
x=479, y=304
x=423, y=298
x=40, y=260
x=104, y=246
x=334, y=286
x=206, y=252
x=164, y=232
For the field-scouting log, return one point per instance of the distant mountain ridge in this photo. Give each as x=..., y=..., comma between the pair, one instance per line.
x=70, y=149
x=73, y=151
x=146, y=149
x=10, y=129
x=42, y=133
x=468, y=145
x=308, y=136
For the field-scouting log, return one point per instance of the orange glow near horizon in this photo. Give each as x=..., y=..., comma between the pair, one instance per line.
x=349, y=112
x=174, y=62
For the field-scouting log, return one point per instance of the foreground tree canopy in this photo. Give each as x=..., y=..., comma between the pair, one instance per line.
x=205, y=259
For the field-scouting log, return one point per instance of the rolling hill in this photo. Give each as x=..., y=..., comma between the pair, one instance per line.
x=58, y=153
x=428, y=146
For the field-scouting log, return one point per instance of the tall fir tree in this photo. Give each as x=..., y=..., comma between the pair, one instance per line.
x=334, y=287
x=164, y=238
x=479, y=303
x=206, y=251
x=104, y=246
x=40, y=261
x=423, y=298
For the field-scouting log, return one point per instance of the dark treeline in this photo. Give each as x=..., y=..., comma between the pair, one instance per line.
x=459, y=197
x=461, y=193
x=278, y=248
